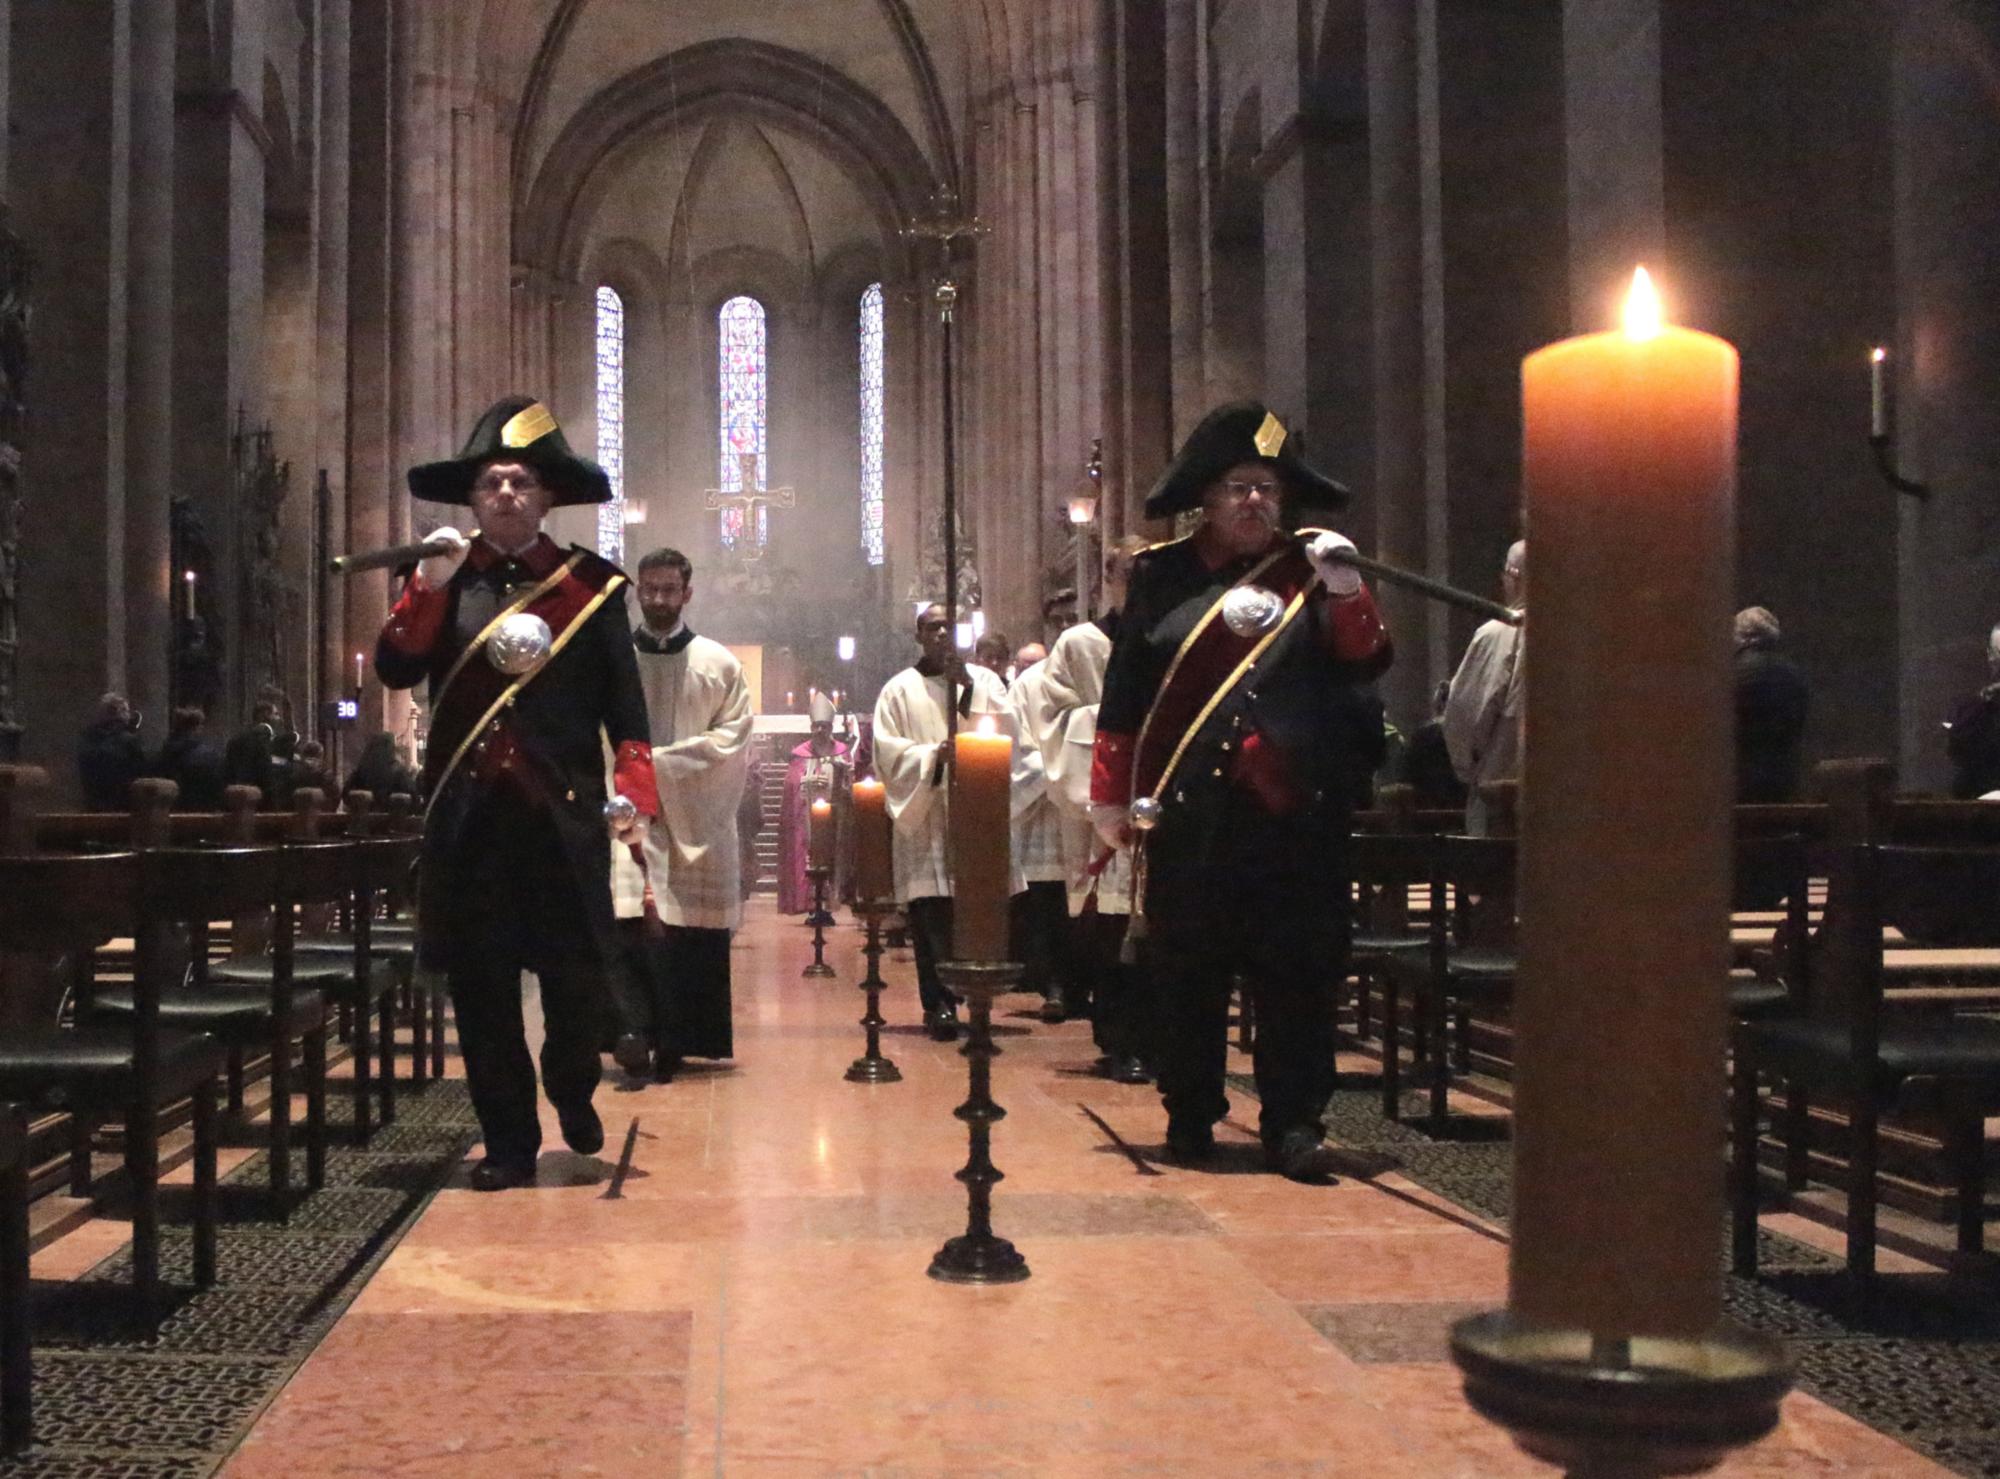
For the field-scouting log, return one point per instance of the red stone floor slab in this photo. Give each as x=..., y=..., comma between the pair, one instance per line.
x=756, y=1301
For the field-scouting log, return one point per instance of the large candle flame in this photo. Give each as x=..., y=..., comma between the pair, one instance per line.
x=987, y=725
x=1643, y=318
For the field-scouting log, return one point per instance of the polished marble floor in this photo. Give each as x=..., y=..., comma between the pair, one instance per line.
x=756, y=1302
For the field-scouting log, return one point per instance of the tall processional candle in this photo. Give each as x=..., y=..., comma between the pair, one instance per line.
x=980, y=846
x=873, y=833
x=819, y=834
x=1629, y=469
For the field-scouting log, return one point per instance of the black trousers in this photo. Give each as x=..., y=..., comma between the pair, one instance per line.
x=1113, y=991
x=1264, y=902
x=519, y=907
x=674, y=990
x=930, y=937
x=1037, y=929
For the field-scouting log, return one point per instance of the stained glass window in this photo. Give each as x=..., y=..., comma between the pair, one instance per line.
x=871, y=423
x=611, y=421
x=744, y=379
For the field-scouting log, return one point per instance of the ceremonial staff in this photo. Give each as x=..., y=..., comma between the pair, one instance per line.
x=1437, y=590
x=392, y=557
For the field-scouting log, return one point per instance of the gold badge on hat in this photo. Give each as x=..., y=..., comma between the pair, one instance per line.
x=532, y=423
x=1269, y=438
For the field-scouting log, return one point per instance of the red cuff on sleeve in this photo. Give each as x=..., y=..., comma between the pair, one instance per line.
x=1111, y=769
x=1354, y=629
x=633, y=777
x=416, y=620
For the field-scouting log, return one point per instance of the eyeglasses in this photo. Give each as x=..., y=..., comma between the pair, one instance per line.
x=1238, y=489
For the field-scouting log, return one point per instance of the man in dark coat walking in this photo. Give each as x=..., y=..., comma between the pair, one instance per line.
x=528, y=652
x=1234, y=711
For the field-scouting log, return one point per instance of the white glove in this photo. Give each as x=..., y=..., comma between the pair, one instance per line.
x=1112, y=824
x=437, y=570
x=1336, y=575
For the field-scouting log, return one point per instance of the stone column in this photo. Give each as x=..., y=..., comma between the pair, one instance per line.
x=1317, y=320
x=150, y=585
x=1143, y=349
x=71, y=180
x=1398, y=34
x=1615, y=148
x=331, y=654
x=374, y=475
x=1186, y=164
x=219, y=161
x=1947, y=214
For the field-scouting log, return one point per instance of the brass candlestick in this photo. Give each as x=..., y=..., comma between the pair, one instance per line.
x=976, y=1256
x=871, y=1067
x=819, y=920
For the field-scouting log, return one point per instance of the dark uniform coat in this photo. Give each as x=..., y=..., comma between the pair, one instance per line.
x=544, y=751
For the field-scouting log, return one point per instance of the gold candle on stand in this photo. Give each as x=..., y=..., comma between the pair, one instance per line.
x=819, y=834
x=980, y=847
x=874, y=878
x=1629, y=466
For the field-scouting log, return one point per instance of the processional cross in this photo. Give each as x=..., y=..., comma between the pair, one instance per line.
x=748, y=499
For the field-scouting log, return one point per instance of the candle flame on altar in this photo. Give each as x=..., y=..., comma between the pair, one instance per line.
x=987, y=725
x=1643, y=316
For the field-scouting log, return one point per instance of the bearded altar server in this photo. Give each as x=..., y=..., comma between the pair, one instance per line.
x=1234, y=711
x=1098, y=879
x=821, y=769
x=528, y=653
x=676, y=955
x=913, y=733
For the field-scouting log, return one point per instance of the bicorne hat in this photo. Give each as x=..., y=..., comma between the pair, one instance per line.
x=1242, y=431
x=521, y=428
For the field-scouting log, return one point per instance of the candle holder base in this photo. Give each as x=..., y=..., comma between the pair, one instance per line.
x=1653, y=1405
x=967, y=1259
x=871, y=1067
x=977, y=1256
x=873, y=1071
x=819, y=919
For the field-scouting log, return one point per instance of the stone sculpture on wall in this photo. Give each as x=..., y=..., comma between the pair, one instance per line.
x=262, y=482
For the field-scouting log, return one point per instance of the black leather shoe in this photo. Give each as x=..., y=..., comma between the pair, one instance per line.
x=492, y=1175
x=665, y=1066
x=1190, y=1143
x=1303, y=1156
x=632, y=1054
x=944, y=1025
x=1054, y=1008
x=1129, y=1070
x=582, y=1130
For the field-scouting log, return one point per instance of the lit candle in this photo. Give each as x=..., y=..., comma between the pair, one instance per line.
x=187, y=579
x=1629, y=466
x=360, y=670
x=819, y=834
x=980, y=772
x=1878, y=393
x=790, y=699
x=873, y=831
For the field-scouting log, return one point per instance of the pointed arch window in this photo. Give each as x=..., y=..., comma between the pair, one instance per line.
x=871, y=423
x=744, y=391
x=611, y=420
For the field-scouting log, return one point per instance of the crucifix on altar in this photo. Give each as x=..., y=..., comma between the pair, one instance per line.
x=748, y=498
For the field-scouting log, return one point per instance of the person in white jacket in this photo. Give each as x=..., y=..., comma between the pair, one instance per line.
x=913, y=742
x=1482, y=713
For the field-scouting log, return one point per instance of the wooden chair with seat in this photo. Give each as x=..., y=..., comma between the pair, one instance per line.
x=1471, y=953
x=130, y=1069
x=323, y=962
x=1837, y=1037
x=194, y=885
x=1385, y=868
x=17, y=1362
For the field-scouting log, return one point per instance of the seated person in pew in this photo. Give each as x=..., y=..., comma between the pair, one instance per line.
x=1972, y=734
